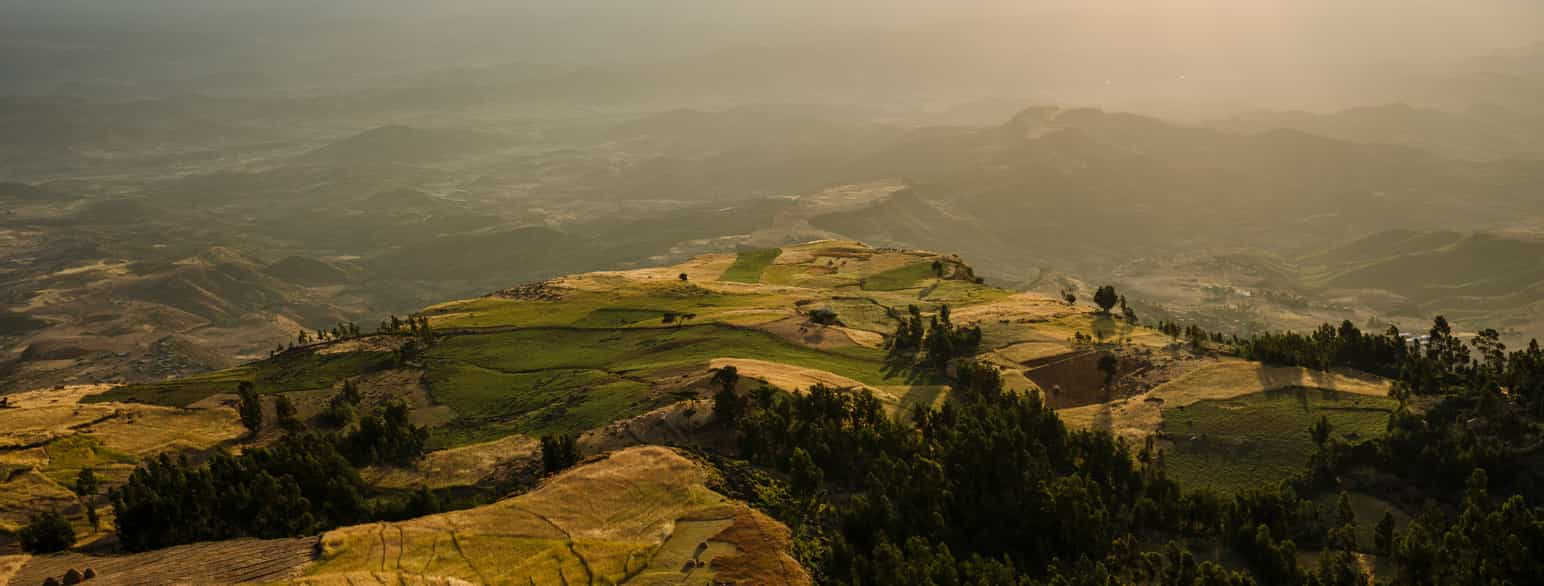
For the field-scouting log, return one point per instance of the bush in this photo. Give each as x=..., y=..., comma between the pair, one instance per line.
x=46, y=533
x=559, y=452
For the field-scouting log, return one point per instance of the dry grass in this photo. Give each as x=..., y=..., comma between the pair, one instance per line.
x=803, y=332
x=9, y=564
x=145, y=430
x=36, y=417
x=47, y=437
x=679, y=424
x=221, y=562
x=463, y=466
x=606, y=521
x=1027, y=351
x=787, y=377
x=29, y=492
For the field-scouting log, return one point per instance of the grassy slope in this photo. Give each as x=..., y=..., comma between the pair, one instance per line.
x=629, y=305
x=748, y=266
x=1262, y=437
x=292, y=371
x=639, y=514
x=904, y=277
x=542, y=380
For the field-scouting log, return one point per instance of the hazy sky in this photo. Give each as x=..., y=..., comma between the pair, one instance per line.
x=1272, y=40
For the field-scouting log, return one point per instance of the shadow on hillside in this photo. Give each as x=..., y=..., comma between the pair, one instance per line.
x=905, y=368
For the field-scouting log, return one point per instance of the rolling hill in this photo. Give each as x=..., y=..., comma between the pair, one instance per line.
x=624, y=361
x=1091, y=188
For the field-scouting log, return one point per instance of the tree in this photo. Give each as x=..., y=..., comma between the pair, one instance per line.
x=285, y=412
x=1320, y=431
x=823, y=316
x=1383, y=535
x=46, y=533
x=1344, y=514
x=343, y=406
x=1106, y=298
x=386, y=436
x=249, y=406
x=559, y=452
x=86, y=484
x=805, y=477
x=1069, y=296
x=682, y=276
x=1109, y=365
x=727, y=404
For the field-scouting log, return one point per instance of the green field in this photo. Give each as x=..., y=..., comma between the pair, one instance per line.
x=898, y=278
x=642, y=305
x=544, y=380
x=748, y=266
x=863, y=314
x=1263, y=437
x=643, y=349
x=293, y=371
x=493, y=404
x=69, y=454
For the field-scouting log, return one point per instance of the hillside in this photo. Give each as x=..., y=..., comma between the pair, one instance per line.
x=623, y=358
x=1490, y=278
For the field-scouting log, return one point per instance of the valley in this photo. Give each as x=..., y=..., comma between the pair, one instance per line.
x=691, y=292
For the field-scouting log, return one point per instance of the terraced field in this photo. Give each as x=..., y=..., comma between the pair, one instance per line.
x=639, y=516
x=222, y=562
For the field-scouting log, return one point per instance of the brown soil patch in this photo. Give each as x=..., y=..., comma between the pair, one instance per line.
x=801, y=331
x=1070, y=380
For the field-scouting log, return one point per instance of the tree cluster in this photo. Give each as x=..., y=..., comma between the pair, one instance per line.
x=938, y=342
x=992, y=488
x=299, y=486
x=386, y=437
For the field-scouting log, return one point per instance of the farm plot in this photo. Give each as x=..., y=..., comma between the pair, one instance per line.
x=748, y=266
x=1262, y=437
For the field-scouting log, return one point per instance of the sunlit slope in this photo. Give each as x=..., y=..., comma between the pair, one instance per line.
x=639, y=516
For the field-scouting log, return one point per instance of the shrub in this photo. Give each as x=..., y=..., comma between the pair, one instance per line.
x=46, y=533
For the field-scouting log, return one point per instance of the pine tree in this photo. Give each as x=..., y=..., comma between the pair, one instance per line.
x=249, y=406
